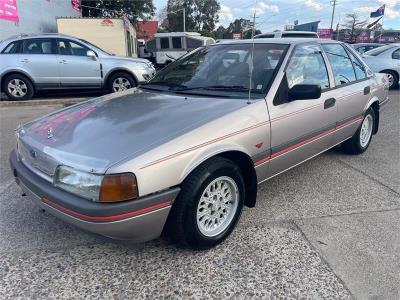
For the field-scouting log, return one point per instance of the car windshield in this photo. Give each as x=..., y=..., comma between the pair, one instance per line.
x=222, y=70
x=96, y=47
x=378, y=51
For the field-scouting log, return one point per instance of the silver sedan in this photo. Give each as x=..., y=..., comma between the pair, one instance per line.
x=184, y=153
x=386, y=60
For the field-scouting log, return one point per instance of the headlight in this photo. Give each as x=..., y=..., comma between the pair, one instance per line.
x=98, y=188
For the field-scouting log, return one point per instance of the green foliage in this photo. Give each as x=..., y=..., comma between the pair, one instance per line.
x=201, y=15
x=142, y=9
x=242, y=26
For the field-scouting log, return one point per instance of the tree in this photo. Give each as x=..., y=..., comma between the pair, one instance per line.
x=352, y=26
x=201, y=15
x=242, y=26
x=135, y=10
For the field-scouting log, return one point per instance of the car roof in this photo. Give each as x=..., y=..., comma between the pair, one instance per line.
x=37, y=35
x=280, y=41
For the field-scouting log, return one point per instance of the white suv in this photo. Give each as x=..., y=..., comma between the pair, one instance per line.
x=29, y=63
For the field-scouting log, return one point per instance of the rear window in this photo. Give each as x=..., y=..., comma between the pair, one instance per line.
x=12, y=48
x=299, y=35
x=265, y=36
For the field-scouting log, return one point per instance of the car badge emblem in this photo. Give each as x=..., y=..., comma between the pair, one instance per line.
x=33, y=153
x=49, y=133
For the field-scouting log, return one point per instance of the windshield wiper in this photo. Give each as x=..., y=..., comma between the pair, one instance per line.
x=165, y=83
x=233, y=88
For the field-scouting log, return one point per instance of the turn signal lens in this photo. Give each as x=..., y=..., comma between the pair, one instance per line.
x=116, y=188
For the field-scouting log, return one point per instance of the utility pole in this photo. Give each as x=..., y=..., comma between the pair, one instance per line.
x=253, y=29
x=184, y=20
x=333, y=2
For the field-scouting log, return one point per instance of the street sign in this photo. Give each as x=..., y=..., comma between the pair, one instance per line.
x=237, y=36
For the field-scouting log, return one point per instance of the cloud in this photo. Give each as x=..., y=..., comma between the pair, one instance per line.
x=227, y=14
x=263, y=7
x=313, y=5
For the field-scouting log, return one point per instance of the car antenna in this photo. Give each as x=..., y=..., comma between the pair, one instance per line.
x=252, y=51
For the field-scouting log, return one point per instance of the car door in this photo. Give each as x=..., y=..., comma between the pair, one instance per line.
x=76, y=68
x=39, y=60
x=396, y=60
x=302, y=128
x=352, y=89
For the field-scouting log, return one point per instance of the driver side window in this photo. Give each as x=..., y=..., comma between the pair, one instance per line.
x=307, y=66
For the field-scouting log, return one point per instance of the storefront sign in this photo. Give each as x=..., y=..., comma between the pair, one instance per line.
x=9, y=10
x=325, y=34
x=76, y=5
x=237, y=36
x=107, y=22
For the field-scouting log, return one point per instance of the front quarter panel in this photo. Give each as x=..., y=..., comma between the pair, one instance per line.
x=246, y=130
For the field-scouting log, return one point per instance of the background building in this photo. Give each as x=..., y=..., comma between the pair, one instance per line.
x=34, y=16
x=116, y=36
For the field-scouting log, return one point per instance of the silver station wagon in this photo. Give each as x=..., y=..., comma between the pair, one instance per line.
x=183, y=154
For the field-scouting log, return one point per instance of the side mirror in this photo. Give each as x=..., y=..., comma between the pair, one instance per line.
x=304, y=92
x=91, y=54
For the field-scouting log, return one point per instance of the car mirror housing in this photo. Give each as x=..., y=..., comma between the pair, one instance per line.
x=91, y=54
x=304, y=92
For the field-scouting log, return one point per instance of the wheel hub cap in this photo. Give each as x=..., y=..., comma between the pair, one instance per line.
x=121, y=84
x=366, y=131
x=17, y=88
x=217, y=206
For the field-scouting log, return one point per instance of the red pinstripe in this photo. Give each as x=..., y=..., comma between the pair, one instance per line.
x=106, y=218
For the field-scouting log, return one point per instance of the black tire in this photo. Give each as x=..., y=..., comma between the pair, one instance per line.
x=353, y=145
x=126, y=76
x=182, y=224
x=395, y=84
x=24, y=83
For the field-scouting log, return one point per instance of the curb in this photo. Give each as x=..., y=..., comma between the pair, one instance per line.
x=42, y=102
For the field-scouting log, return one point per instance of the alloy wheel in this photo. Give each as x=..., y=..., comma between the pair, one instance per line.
x=17, y=88
x=366, y=131
x=217, y=206
x=121, y=84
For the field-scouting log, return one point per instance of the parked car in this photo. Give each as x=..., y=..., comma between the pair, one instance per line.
x=386, y=60
x=184, y=153
x=287, y=34
x=364, y=47
x=30, y=63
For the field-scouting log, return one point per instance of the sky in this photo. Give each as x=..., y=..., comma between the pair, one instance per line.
x=274, y=14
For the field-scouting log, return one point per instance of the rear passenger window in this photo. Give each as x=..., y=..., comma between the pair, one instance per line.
x=38, y=46
x=12, y=48
x=307, y=66
x=341, y=64
x=358, y=67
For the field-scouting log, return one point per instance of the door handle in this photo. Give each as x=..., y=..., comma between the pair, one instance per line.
x=329, y=103
x=25, y=60
x=367, y=90
x=63, y=61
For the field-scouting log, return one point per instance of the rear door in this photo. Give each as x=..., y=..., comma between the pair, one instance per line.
x=76, y=68
x=39, y=60
x=302, y=128
x=352, y=89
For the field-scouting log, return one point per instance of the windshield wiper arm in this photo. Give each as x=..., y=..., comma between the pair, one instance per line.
x=215, y=87
x=164, y=83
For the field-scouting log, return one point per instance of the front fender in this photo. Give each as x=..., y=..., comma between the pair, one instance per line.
x=206, y=154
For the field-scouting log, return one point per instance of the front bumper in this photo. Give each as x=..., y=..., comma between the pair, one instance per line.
x=140, y=220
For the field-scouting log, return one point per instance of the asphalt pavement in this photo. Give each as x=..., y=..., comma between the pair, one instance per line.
x=327, y=229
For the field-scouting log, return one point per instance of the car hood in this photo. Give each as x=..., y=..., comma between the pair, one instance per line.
x=101, y=132
x=131, y=59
